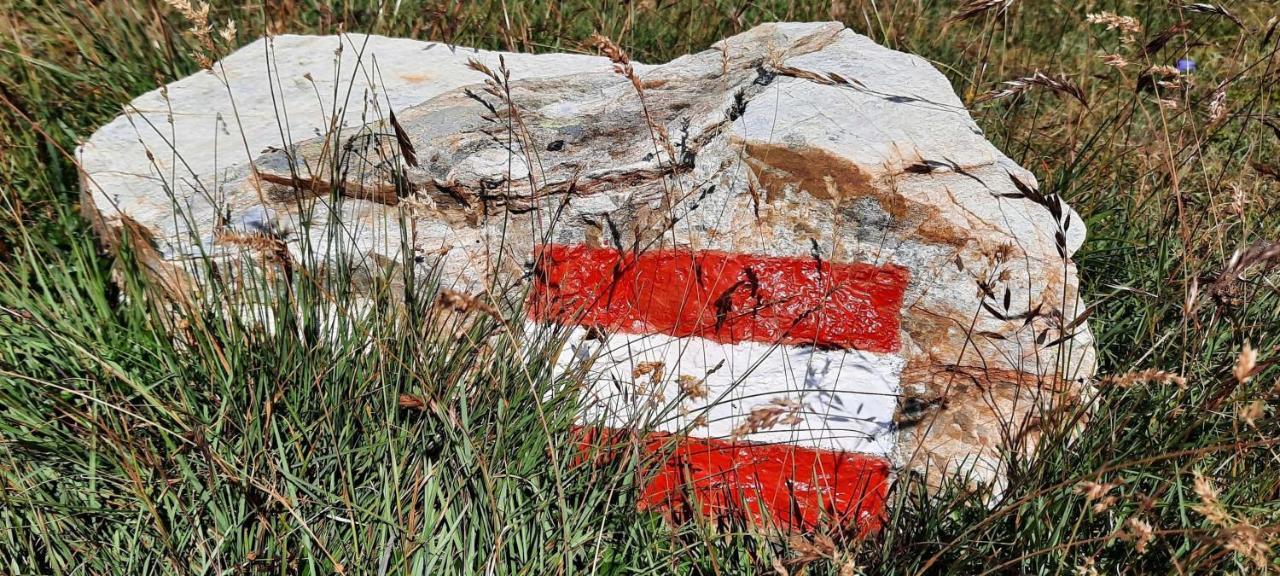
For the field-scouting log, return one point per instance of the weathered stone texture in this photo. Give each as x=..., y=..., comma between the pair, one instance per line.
x=791, y=139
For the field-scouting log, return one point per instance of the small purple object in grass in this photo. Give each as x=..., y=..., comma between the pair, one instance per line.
x=1186, y=65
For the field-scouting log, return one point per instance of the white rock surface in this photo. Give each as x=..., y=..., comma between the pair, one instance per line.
x=789, y=139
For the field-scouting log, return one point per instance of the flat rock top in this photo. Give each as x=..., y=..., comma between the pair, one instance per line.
x=790, y=140
x=190, y=139
x=195, y=137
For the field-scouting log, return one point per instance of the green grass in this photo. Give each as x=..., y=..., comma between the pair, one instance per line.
x=136, y=438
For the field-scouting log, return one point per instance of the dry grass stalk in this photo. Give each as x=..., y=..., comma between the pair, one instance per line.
x=1115, y=60
x=1218, y=104
x=807, y=549
x=403, y=141
x=1159, y=41
x=493, y=84
x=1017, y=86
x=811, y=549
x=498, y=85
x=198, y=16
x=783, y=411
x=1226, y=287
x=623, y=67
x=974, y=8
x=1147, y=376
x=828, y=78
x=270, y=249
x=463, y=303
x=411, y=402
x=1212, y=10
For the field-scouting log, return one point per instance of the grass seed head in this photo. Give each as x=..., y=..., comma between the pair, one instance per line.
x=783, y=411
x=1128, y=26
x=1213, y=10
x=1139, y=532
x=1098, y=493
x=1147, y=376
x=1218, y=104
x=1115, y=60
x=1059, y=84
x=1245, y=364
x=1251, y=413
x=655, y=370
x=1209, y=507
x=1086, y=568
x=228, y=32
x=1249, y=541
x=464, y=303
x=197, y=15
x=692, y=387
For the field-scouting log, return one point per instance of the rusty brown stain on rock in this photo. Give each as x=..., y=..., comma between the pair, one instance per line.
x=824, y=175
x=959, y=376
x=929, y=329
x=948, y=409
x=812, y=42
x=818, y=172
x=654, y=84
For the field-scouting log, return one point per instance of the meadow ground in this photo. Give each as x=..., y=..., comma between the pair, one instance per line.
x=227, y=449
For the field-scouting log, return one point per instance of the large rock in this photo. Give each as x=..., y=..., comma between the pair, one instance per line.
x=805, y=162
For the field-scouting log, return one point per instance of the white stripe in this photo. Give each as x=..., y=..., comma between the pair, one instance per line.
x=844, y=400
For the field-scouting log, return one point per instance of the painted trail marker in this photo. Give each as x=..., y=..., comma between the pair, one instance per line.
x=842, y=279
x=783, y=370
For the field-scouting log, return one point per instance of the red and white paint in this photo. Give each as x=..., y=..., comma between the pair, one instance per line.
x=816, y=339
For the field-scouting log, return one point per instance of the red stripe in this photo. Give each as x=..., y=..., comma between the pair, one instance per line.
x=727, y=298
x=794, y=488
